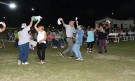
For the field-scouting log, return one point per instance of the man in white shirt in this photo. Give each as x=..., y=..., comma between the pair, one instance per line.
x=24, y=43
x=69, y=34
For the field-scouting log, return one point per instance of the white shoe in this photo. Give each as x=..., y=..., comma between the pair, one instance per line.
x=19, y=62
x=81, y=59
x=26, y=63
x=78, y=59
x=90, y=51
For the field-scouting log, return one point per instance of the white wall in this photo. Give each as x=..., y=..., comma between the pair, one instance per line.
x=125, y=23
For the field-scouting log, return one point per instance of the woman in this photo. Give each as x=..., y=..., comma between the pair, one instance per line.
x=41, y=45
x=24, y=43
x=79, y=40
x=102, y=40
x=4, y=27
x=90, y=39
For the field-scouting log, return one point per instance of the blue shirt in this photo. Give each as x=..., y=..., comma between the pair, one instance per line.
x=90, y=37
x=79, y=36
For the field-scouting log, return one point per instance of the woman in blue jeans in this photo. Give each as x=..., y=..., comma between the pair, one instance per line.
x=24, y=43
x=79, y=39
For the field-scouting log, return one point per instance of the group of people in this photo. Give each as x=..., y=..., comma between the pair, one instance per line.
x=24, y=42
x=98, y=33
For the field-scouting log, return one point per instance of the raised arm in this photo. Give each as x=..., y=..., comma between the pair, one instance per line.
x=77, y=24
x=35, y=26
x=31, y=22
x=62, y=21
x=4, y=27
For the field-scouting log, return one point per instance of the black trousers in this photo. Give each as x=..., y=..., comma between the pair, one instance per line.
x=41, y=48
x=90, y=44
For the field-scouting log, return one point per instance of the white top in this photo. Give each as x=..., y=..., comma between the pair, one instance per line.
x=69, y=30
x=41, y=36
x=24, y=36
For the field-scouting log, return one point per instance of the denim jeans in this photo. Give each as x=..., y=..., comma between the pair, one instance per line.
x=76, y=50
x=24, y=52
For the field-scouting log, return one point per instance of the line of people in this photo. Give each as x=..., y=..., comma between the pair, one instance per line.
x=98, y=33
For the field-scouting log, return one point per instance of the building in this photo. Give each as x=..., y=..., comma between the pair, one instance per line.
x=118, y=23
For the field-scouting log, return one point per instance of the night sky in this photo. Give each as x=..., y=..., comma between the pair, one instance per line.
x=87, y=10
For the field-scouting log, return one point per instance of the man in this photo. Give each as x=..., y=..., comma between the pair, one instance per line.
x=24, y=43
x=69, y=34
x=3, y=28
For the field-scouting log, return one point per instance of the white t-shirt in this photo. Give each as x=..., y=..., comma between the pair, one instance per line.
x=69, y=30
x=24, y=36
x=41, y=36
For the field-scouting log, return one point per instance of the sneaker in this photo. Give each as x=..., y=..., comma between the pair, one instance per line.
x=61, y=54
x=71, y=56
x=81, y=59
x=78, y=59
x=23, y=63
x=26, y=63
x=90, y=51
x=19, y=62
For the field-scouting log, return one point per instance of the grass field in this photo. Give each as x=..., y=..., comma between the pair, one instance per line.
x=116, y=65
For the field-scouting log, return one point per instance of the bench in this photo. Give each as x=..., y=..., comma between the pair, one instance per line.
x=114, y=36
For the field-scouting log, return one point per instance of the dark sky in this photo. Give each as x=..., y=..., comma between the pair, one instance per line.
x=51, y=10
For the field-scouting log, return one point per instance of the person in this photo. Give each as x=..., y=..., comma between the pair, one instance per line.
x=102, y=40
x=10, y=36
x=78, y=42
x=32, y=43
x=41, y=45
x=90, y=39
x=24, y=43
x=69, y=34
x=3, y=27
x=16, y=38
x=56, y=40
x=49, y=37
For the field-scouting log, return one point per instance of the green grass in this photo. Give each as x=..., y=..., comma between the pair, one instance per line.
x=116, y=65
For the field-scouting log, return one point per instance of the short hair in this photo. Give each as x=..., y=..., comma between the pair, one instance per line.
x=82, y=27
x=41, y=27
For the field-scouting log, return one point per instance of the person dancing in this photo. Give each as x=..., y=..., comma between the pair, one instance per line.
x=41, y=45
x=24, y=43
x=69, y=33
x=79, y=40
x=90, y=39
